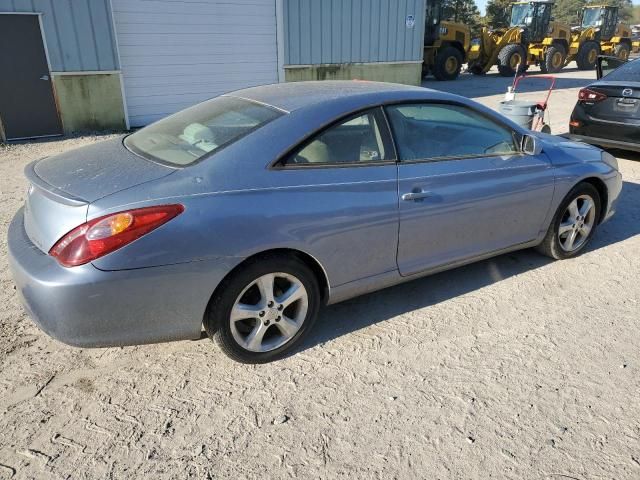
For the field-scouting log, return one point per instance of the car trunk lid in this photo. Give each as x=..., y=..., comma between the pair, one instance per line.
x=621, y=105
x=62, y=187
x=98, y=170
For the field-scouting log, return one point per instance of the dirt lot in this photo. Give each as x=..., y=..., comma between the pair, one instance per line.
x=517, y=367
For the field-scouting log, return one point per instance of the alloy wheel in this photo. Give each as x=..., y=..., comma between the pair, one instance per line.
x=577, y=222
x=269, y=312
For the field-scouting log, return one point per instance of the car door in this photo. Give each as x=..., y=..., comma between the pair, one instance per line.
x=341, y=198
x=465, y=187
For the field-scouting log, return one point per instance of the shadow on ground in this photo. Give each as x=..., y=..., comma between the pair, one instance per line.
x=361, y=312
x=626, y=154
x=473, y=86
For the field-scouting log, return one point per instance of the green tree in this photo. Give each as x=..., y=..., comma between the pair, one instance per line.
x=498, y=13
x=568, y=11
x=462, y=11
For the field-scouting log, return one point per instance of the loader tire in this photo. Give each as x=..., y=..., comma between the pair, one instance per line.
x=510, y=58
x=587, y=55
x=447, y=64
x=622, y=51
x=554, y=59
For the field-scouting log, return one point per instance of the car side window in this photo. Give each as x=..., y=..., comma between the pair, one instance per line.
x=356, y=140
x=439, y=131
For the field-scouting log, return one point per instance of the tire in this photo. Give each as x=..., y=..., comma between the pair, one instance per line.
x=554, y=59
x=622, y=51
x=555, y=243
x=447, y=64
x=510, y=57
x=266, y=323
x=587, y=55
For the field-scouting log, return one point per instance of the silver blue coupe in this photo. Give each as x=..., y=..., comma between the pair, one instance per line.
x=247, y=213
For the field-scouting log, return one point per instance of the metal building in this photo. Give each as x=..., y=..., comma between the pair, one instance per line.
x=73, y=65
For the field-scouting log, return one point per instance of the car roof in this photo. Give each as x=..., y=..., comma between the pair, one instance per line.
x=295, y=95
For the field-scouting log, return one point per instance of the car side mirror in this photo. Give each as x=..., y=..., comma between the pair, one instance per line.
x=531, y=145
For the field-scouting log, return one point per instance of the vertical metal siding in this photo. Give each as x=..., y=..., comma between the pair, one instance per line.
x=79, y=33
x=178, y=53
x=352, y=31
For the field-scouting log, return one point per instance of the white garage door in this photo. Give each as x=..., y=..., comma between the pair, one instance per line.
x=174, y=54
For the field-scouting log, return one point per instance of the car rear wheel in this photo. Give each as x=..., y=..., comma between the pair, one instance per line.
x=574, y=223
x=262, y=311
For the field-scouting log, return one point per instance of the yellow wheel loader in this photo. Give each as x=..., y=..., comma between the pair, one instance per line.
x=532, y=38
x=600, y=32
x=446, y=44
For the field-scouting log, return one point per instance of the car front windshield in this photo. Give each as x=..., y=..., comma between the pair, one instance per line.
x=521, y=14
x=592, y=17
x=187, y=136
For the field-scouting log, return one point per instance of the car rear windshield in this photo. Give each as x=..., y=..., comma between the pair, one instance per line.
x=189, y=135
x=625, y=73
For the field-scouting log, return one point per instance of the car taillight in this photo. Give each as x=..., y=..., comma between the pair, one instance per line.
x=587, y=95
x=103, y=235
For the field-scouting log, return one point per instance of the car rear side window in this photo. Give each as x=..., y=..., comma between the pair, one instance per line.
x=189, y=135
x=629, y=72
x=440, y=131
x=357, y=140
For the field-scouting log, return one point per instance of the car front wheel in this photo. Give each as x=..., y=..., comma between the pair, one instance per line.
x=574, y=223
x=263, y=310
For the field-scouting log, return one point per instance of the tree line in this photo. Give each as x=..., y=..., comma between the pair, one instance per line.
x=498, y=12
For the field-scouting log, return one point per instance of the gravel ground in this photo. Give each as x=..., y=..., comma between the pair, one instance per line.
x=517, y=367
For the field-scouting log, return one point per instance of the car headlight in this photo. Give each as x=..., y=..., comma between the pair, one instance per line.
x=610, y=160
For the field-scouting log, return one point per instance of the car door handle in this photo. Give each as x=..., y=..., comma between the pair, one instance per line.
x=415, y=196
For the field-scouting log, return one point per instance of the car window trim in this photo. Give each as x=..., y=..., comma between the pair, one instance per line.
x=385, y=132
x=514, y=133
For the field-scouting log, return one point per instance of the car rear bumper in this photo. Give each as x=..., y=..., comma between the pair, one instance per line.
x=605, y=142
x=87, y=307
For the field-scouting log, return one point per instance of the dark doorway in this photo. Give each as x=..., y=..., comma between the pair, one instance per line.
x=27, y=106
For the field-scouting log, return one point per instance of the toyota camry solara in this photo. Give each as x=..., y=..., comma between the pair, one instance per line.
x=247, y=213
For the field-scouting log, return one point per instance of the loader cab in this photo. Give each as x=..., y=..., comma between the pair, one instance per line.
x=533, y=18
x=433, y=16
x=602, y=17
